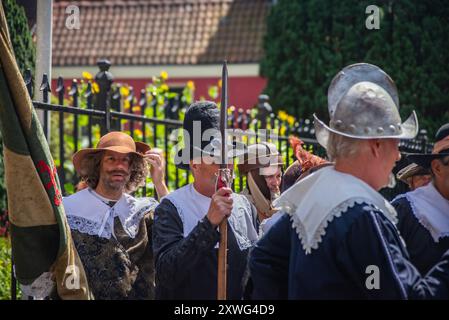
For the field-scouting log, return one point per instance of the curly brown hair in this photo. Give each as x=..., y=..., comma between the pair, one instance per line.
x=90, y=172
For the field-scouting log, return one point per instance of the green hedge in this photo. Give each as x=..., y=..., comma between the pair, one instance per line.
x=308, y=41
x=22, y=42
x=25, y=52
x=5, y=269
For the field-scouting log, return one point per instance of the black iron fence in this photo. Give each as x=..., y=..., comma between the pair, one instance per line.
x=78, y=125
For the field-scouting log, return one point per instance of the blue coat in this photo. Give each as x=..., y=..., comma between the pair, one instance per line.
x=424, y=251
x=340, y=267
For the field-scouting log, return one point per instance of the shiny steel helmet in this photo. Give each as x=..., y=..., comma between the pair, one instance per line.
x=366, y=110
x=355, y=73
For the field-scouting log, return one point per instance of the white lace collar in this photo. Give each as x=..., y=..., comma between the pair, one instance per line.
x=431, y=209
x=87, y=213
x=192, y=206
x=313, y=202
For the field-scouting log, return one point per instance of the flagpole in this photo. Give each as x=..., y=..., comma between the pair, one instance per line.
x=43, y=55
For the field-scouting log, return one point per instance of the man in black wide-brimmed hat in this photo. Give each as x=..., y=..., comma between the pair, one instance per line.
x=424, y=213
x=185, y=223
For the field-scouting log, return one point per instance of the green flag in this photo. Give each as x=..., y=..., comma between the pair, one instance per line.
x=42, y=247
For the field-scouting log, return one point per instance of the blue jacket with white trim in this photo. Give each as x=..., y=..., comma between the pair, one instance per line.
x=361, y=256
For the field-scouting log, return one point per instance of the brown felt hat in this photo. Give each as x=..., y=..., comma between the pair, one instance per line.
x=263, y=156
x=410, y=171
x=113, y=141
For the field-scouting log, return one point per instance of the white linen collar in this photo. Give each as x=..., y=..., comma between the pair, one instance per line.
x=192, y=206
x=87, y=213
x=431, y=209
x=313, y=202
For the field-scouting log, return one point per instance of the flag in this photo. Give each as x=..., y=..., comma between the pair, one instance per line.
x=42, y=248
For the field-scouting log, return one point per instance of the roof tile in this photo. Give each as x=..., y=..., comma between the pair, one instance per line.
x=146, y=32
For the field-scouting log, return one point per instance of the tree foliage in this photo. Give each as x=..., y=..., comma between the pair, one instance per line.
x=24, y=52
x=308, y=41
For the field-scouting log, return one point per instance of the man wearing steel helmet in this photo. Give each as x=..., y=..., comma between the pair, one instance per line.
x=338, y=239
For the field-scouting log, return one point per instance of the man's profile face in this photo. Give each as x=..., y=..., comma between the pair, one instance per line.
x=273, y=180
x=389, y=156
x=114, y=169
x=206, y=171
x=442, y=178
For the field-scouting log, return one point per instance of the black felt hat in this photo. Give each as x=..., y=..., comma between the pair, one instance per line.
x=200, y=117
x=440, y=150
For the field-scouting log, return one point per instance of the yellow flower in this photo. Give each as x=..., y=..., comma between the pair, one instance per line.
x=87, y=75
x=219, y=83
x=126, y=105
x=164, y=75
x=138, y=133
x=190, y=85
x=164, y=87
x=136, y=109
x=283, y=130
x=124, y=91
x=95, y=87
x=282, y=115
x=291, y=120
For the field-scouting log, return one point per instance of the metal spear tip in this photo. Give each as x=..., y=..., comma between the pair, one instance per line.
x=225, y=66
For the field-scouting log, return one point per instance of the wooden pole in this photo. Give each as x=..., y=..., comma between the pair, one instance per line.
x=222, y=260
x=223, y=180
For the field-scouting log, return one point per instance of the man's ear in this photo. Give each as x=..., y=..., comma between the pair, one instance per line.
x=374, y=145
x=435, y=166
x=193, y=166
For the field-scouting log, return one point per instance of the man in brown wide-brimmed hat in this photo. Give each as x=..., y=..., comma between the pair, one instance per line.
x=262, y=165
x=112, y=229
x=414, y=176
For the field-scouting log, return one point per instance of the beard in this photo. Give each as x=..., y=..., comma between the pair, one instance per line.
x=116, y=185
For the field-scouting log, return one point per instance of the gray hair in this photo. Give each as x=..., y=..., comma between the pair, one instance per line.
x=339, y=146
